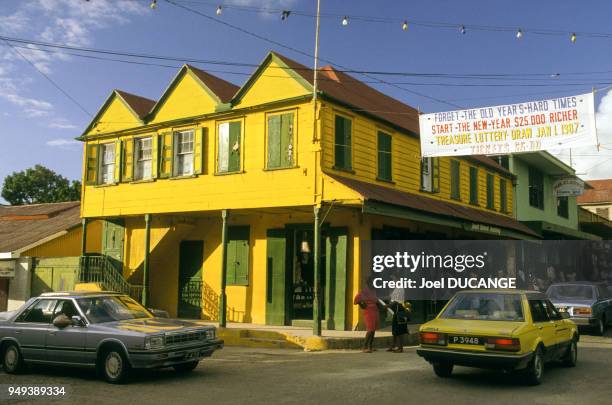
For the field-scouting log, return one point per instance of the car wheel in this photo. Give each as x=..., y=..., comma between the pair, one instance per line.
x=115, y=366
x=600, y=328
x=443, y=370
x=535, y=371
x=185, y=367
x=12, y=361
x=571, y=355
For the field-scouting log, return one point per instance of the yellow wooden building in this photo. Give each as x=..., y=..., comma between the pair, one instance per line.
x=215, y=179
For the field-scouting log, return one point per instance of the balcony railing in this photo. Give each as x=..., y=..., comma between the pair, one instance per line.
x=100, y=269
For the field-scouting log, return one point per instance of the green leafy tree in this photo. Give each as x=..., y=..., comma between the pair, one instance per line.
x=39, y=185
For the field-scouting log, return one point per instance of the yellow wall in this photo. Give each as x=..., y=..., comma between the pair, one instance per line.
x=116, y=117
x=70, y=243
x=405, y=160
x=188, y=98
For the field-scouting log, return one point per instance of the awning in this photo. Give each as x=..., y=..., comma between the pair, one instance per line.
x=544, y=228
x=595, y=224
x=386, y=201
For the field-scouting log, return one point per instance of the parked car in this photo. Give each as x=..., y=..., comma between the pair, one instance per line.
x=499, y=329
x=109, y=331
x=587, y=303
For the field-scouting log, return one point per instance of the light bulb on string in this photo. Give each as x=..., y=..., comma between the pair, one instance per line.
x=462, y=30
x=573, y=38
x=345, y=21
x=519, y=34
x=219, y=10
x=153, y=4
x=405, y=25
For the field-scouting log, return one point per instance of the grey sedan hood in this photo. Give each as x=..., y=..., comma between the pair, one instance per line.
x=155, y=325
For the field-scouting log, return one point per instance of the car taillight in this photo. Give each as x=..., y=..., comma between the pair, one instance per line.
x=583, y=311
x=507, y=344
x=433, y=338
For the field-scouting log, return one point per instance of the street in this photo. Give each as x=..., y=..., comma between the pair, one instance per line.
x=267, y=376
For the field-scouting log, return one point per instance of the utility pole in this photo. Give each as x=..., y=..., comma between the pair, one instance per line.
x=316, y=304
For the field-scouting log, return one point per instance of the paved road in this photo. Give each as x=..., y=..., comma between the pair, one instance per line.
x=268, y=376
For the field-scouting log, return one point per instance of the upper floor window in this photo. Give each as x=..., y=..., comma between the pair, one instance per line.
x=430, y=174
x=107, y=163
x=280, y=141
x=183, y=153
x=473, y=185
x=503, y=160
x=536, y=188
x=384, y=157
x=503, y=196
x=563, y=207
x=143, y=153
x=455, y=180
x=228, y=147
x=343, y=143
x=490, y=191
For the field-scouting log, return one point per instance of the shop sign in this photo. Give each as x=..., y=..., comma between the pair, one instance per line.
x=568, y=187
x=7, y=268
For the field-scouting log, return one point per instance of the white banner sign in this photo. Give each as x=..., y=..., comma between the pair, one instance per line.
x=568, y=187
x=7, y=268
x=558, y=123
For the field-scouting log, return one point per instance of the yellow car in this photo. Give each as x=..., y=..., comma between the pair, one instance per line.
x=499, y=329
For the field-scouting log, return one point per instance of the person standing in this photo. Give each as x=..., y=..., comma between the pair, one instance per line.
x=368, y=302
x=399, y=321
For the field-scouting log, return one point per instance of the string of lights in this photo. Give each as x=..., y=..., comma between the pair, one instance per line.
x=402, y=23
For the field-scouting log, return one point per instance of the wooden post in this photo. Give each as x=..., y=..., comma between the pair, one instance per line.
x=84, y=236
x=316, y=304
x=145, y=267
x=223, y=296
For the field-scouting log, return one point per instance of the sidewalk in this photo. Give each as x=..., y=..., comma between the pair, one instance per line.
x=289, y=337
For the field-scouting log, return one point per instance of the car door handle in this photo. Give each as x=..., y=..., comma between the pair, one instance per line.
x=17, y=332
x=52, y=333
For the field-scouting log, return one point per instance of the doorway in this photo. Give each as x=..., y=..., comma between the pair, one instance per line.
x=4, y=286
x=191, y=258
x=113, y=233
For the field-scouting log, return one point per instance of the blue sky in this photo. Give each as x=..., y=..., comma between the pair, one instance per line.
x=38, y=123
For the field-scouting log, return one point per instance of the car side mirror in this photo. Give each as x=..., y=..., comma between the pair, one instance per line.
x=77, y=320
x=61, y=321
x=565, y=315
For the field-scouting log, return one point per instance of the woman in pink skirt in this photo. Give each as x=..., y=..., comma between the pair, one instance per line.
x=368, y=302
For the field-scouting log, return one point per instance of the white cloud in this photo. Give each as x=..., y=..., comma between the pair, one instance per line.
x=589, y=162
x=63, y=142
x=60, y=123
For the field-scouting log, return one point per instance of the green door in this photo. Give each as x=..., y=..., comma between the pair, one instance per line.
x=191, y=257
x=276, y=267
x=112, y=242
x=336, y=240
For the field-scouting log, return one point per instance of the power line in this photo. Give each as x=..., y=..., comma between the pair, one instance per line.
x=57, y=86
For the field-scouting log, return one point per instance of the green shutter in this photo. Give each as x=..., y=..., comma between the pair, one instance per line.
x=234, y=152
x=384, y=156
x=91, y=163
x=336, y=250
x=503, y=204
x=274, y=141
x=473, y=185
x=348, y=164
x=455, y=180
x=276, y=280
x=166, y=154
x=286, y=140
x=342, y=136
x=490, y=191
x=238, y=255
x=435, y=166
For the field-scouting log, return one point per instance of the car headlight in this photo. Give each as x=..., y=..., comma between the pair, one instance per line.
x=154, y=342
x=210, y=334
x=583, y=311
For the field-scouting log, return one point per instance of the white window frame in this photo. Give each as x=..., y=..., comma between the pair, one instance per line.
x=105, y=167
x=181, y=157
x=427, y=174
x=140, y=162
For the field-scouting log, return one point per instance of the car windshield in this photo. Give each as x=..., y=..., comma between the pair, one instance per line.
x=112, y=308
x=485, y=306
x=575, y=291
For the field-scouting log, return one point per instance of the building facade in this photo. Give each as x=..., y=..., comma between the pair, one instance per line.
x=255, y=200
x=598, y=199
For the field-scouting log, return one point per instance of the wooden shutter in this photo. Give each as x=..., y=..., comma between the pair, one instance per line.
x=154, y=156
x=435, y=167
x=117, y=171
x=339, y=142
x=455, y=180
x=276, y=283
x=274, y=141
x=490, y=191
x=286, y=140
x=234, y=139
x=384, y=156
x=473, y=185
x=91, y=164
x=348, y=144
x=166, y=154
x=336, y=253
x=503, y=205
x=198, y=150
x=238, y=255
x=127, y=166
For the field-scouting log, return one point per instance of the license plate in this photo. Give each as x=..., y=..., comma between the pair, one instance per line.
x=465, y=340
x=191, y=355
